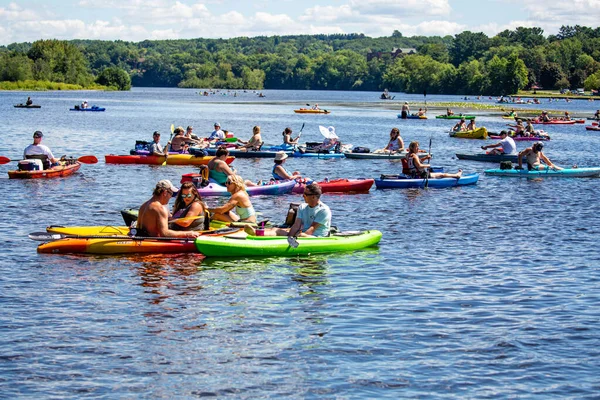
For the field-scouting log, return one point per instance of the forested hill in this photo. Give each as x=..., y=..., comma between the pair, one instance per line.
x=467, y=63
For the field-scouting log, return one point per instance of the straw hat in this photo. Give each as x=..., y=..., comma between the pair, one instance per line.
x=280, y=155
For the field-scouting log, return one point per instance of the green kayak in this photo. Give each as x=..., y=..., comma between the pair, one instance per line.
x=458, y=116
x=246, y=246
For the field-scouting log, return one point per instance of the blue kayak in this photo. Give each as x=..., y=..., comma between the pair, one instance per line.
x=404, y=183
x=93, y=108
x=561, y=173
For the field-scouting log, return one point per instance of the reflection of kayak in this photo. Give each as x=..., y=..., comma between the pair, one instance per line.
x=488, y=157
x=54, y=172
x=27, y=106
x=443, y=116
x=413, y=116
x=174, y=159
x=311, y=111
x=404, y=183
x=379, y=156
x=248, y=154
x=563, y=173
x=340, y=186
x=93, y=108
x=479, y=133
x=240, y=246
x=214, y=189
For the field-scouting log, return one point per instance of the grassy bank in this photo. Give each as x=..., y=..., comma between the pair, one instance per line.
x=46, y=85
x=547, y=94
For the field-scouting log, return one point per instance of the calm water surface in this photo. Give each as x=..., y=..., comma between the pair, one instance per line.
x=489, y=291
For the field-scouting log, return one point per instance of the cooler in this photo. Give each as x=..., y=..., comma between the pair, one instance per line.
x=31, y=165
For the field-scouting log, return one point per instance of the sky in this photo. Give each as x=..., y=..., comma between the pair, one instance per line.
x=137, y=20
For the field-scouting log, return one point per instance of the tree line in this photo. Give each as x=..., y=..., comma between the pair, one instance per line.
x=467, y=63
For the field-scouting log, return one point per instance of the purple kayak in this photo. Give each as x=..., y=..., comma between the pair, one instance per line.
x=523, y=138
x=279, y=187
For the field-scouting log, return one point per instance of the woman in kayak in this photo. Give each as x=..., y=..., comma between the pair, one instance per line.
x=189, y=211
x=534, y=157
x=279, y=172
x=287, y=138
x=460, y=126
x=416, y=169
x=218, y=170
x=395, y=145
x=254, y=143
x=471, y=126
x=239, y=200
x=178, y=143
x=519, y=129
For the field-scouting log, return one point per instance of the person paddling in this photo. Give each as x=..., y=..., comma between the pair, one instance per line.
x=37, y=150
x=416, y=169
x=534, y=157
x=505, y=146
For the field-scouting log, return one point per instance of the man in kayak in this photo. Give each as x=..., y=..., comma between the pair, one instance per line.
x=156, y=148
x=405, y=110
x=36, y=150
x=505, y=146
x=460, y=126
x=153, y=217
x=217, y=134
x=534, y=157
x=29, y=101
x=313, y=218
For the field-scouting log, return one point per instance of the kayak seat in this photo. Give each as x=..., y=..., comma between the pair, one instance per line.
x=42, y=157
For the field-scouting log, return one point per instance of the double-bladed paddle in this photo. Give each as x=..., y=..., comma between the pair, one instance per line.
x=82, y=159
x=169, y=145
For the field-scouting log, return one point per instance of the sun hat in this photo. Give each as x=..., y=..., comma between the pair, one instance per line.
x=38, y=134
x=166, y=184
x=280, y=155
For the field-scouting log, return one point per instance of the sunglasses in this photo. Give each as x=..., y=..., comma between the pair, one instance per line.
x=228, y=183
x=187, y=196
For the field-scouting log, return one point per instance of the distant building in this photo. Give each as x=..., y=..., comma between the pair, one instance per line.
x=394, y=53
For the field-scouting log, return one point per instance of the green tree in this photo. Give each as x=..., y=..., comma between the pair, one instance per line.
x=15, y=67
x=468, y=45
x=115, y=77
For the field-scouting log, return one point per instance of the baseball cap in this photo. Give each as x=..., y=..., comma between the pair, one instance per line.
x=156, y=133
x=38, y=134
x=166, y=184
x=217, y=124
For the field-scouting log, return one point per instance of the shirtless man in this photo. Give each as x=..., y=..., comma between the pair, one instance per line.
x=153, y=217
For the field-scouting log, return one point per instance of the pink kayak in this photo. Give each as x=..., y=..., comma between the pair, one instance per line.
x=523, y=138
x=554, y=122
x=340, y=186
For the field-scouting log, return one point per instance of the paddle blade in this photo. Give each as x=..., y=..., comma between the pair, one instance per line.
x=4, y=160
x=88, y=159
x=45, y=236
x=172, y=128
x=292, y=242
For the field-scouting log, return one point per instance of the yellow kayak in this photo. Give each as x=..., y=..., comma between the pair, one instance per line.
x=311, y=111
x=479, y=133
x=106, y=230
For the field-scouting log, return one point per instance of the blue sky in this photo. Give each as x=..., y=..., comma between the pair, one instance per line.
x=136, y=20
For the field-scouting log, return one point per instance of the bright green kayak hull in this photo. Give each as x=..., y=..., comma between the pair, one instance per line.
x=455, y=116
x=269, y=246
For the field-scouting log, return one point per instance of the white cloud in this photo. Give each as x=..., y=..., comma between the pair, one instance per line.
x=327, y=13
x=15, y=13
x=401, y=8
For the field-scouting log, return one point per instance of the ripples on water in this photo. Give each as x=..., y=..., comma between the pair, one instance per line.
x=474, y=292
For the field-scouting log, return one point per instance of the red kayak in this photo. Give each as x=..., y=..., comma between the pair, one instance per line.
x=173, y=159
x=592, y=128
x=554, y=122
x=340, y=186
x=54, y=172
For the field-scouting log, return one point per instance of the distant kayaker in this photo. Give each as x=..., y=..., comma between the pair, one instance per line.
x=544, y=117
x=313, y=218
x=395, y=144
x=449, y=112
x=279, y=172
x=529, y=129
x=421, y=112
x=506, y=145
x=218, y=170
x=597, y=115
x=471, y=125
x=239, y=200
x=36, y=150
x=405, y=110
x=416, y=169
x=189, y=211
x=460, y=126
x=254, y=143
x=316, y=107
x=156, y=148
x=29, y=101
x=153, y=217
x=534, y=157
x=217, y=134
x=84, y=104
x=519, y=129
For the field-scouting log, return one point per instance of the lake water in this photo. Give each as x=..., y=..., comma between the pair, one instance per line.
x=488, y=291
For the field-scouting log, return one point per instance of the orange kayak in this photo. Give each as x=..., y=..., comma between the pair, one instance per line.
x=173, y=159
x=54, y=172
x=311, y=111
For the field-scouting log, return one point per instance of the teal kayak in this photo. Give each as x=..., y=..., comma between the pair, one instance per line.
x=247, y=246
x=561, y=173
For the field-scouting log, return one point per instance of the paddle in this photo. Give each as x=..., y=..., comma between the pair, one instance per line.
x=428, y=172
x=169, y=144
x=48, y=237
x=82, y=159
